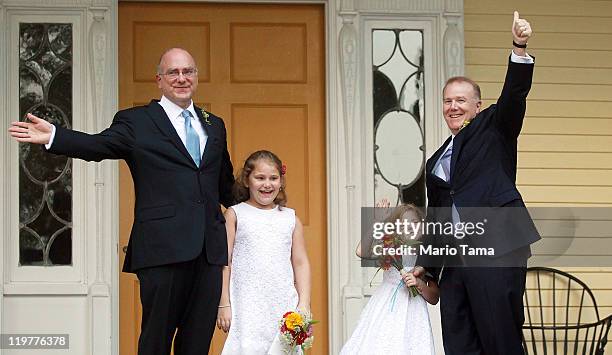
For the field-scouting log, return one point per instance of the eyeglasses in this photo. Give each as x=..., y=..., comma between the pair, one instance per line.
x=174, y=74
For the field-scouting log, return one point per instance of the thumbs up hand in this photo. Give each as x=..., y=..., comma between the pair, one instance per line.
x=521, y=29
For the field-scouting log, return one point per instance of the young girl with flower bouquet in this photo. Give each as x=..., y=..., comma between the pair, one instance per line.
x=396, y=320
x=296, y=334
x=269, y=271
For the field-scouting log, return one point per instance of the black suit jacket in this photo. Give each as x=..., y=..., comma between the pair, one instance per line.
x=177, y=212
x=483, y=172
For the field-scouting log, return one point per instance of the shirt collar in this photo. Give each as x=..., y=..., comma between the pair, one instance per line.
x=173, y=110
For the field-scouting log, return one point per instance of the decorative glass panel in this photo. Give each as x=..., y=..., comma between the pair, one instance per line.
x=45, y=180
x=398, y=100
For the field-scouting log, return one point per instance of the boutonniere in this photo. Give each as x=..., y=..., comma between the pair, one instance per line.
x=206, y=115
x=465, y=123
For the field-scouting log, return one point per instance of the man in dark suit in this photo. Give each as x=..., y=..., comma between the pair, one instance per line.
x=474, y=174
x=178, y=158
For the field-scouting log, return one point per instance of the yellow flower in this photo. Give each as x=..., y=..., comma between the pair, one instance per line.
x=294, y=320
x=465, y=123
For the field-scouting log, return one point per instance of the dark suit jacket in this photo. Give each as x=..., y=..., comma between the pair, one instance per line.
x=483, y=172
x=177, y=212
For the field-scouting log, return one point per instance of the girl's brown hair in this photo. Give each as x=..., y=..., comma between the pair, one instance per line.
x=241, y=189
x=396, y=214
x=399, y=211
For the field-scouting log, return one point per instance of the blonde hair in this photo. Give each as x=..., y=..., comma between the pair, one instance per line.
x=464, y=79
x=402, y=209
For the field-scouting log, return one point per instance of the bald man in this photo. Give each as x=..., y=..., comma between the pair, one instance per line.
x=178, y=158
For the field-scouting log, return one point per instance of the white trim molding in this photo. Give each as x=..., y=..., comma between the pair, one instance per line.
x=5, y=182
x=23, y=277
x=453, y=46
x=88, y=288
x=351, y=174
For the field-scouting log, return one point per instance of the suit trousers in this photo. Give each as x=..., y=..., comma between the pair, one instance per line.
x=181, y=298
x=482, y=310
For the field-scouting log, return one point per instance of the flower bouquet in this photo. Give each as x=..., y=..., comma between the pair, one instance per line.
x=296, y=330
x=388, y=260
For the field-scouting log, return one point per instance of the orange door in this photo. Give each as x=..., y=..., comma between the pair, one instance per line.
x=262, y=69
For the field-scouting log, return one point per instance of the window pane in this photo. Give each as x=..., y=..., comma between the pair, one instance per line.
x=398, y=104
x=45, y=180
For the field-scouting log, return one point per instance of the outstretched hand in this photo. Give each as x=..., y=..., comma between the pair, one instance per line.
x=521, y=29
x=36, y=131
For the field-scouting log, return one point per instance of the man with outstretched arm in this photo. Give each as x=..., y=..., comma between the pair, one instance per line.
x=178, y=158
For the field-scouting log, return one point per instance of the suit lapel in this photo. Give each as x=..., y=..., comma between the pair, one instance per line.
x=460, y=139
x=211, y=132
x=431, y=163
x=457, y=146
x=161, y=120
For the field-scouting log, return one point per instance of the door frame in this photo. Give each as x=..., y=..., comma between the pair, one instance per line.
x=331, y=133
x=347, y=183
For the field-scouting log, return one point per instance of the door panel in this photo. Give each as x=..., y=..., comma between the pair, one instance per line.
x=262, y=69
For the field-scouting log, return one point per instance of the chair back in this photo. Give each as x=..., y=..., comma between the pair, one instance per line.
x=561, y=315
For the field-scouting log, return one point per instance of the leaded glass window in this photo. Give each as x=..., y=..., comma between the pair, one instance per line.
x=45, y=180
x=398, y=104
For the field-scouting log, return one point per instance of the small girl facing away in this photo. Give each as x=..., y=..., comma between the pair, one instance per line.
x=268, y=272
x=393, y=321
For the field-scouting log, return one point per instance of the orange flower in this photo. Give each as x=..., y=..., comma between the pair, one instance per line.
x=294, y=320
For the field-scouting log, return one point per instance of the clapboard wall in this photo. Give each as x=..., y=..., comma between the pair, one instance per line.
x=565, y=149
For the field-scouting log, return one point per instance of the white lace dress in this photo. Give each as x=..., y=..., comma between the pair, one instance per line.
x=261, y=283
x=391, y=325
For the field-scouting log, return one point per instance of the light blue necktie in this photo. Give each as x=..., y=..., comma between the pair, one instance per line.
x=192, y=140
x=445, y=161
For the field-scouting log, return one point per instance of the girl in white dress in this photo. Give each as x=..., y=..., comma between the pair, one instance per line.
x=393, y=321
x=269, y=271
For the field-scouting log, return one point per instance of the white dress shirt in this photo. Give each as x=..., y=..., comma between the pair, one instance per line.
x=173, y=111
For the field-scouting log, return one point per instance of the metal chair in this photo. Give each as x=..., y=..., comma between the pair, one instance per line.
x=561, y=315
